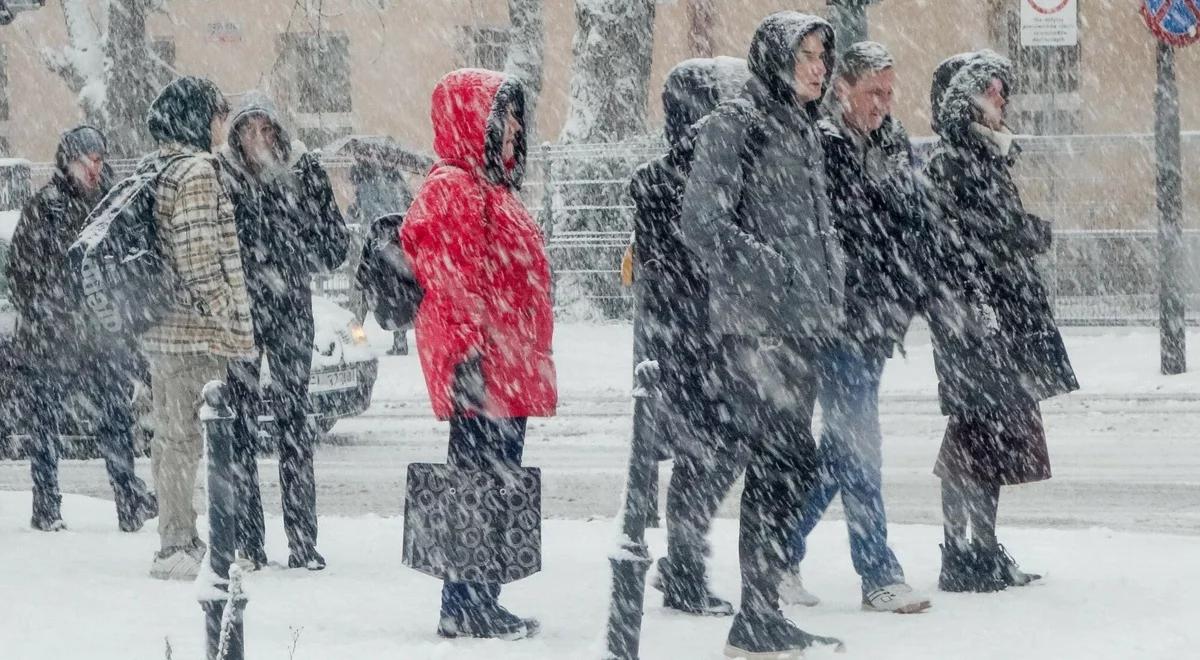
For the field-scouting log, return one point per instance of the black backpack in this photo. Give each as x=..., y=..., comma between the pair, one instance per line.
x=123, y=274
x=385, y=276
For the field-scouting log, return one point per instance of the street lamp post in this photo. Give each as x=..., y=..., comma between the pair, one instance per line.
x=849, y=18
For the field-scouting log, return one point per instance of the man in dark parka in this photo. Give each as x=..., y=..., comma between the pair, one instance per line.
x=880, y=216
x=756, y=213
x=289, y=227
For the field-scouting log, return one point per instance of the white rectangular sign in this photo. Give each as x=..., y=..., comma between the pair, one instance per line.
x=1049, y=22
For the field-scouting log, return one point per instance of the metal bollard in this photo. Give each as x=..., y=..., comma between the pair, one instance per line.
x=221, y=596
x=631, y=560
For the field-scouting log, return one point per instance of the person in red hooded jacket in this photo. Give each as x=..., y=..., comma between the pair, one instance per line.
x=485, y=325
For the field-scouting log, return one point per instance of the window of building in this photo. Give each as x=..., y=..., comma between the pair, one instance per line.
x=319, y=70
x=313, y=76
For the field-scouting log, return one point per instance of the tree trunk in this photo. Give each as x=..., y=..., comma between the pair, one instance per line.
x=701, y=17
x=132, y=78
x=614, y=43
x=113, y=71
x=526, y=54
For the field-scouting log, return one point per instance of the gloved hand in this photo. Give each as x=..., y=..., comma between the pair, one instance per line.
x=469, y=389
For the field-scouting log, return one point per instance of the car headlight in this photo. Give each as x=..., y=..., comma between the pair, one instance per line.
x=358, y=334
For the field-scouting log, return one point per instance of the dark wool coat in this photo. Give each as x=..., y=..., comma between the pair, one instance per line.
x=53, y=326
x=671, y=282
x=997, y=348
x=879, y=214
x=289, y=227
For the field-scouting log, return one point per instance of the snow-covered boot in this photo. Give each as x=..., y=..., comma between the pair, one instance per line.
x=47, y=524
x=178, y=562
x=251, y=559
x=134, y=511
x=964, y=569
x=771, y=636
x=472, y=610
x=310, y=559
x=897, y=598
x=47, y=513
x=792, y=591
x=1009, y=571
x=688, y=591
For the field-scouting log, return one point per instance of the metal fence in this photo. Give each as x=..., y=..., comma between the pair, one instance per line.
x=1097, y=190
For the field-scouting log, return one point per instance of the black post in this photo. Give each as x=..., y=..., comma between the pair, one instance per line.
x=222, y=599
x=631, y=560
x=1169, y=182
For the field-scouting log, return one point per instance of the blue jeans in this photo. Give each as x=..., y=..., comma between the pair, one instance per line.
x=850, y=459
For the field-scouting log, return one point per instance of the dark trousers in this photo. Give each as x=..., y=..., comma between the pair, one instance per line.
x=706, y=465
x=289, y=354
x=479, y=443
x=101, y=393
x=970, y=505
x=771, y=389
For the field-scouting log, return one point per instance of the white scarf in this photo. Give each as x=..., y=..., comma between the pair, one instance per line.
x=1000, y=141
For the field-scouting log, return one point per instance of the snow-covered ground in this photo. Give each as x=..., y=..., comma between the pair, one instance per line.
x=84, y=594
x=1117, y=530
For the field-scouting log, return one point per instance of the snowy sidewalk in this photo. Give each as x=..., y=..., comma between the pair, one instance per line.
x=84, y=594
x=595, y=360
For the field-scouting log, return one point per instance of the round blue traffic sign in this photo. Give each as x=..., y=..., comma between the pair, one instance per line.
x=1177, y=22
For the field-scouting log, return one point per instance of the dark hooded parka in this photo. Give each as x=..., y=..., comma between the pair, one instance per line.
x=53, y=328
x=997, y=348
x=68, y=363
x=289, y=224
x=672, y=283
x=756, y=208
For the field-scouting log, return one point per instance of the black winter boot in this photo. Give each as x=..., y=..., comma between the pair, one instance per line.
x=963, y=571
x=474, y=611
x=1009, y=571
x=772, y=636
x=989, y=577
x=309, y=559
x=47, y=513
x=133, y=513
x=688, y=592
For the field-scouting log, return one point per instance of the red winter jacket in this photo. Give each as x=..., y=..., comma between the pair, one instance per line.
x=480, y=258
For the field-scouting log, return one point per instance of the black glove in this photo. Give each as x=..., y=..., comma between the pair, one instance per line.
x=469, y=390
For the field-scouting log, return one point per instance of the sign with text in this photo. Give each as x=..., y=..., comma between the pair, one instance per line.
x=1049, y=23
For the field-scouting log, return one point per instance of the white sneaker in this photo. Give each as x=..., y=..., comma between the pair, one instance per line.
x=178, y=563
x=898, y=598
x=792, y=591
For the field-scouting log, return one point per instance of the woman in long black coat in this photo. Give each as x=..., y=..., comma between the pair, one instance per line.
x=997, y=349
